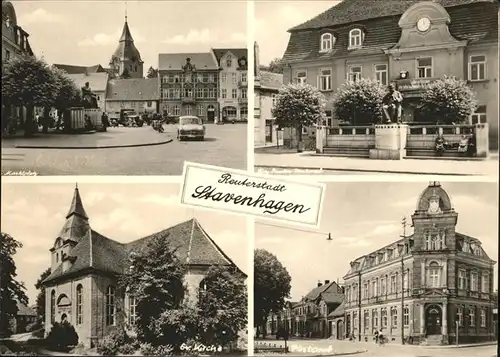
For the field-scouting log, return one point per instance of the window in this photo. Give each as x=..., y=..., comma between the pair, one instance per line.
x=53, y=306
x=79, y=304
x=244, y=77
x=229, y=62
x=177, y=110
x=348, y=294
x=326, y=42
x=460, y=316
x=325, y=79
x=57, y=257
x=394, y=317
x=189, y=110
x=211, y=78
x=381, y=73
x=110, y=306
x=383, y=284
x=234, y=93
x=366, y=321
x=477, y=68
x=406, y=316
x=473, y=281
x=384, y=317
x=132, y=310
x=243, y=92
x=483, y=317
x=199, y=92
x=355, y=38
x=199, y=78
x=479, y=116
x=7, y=55
x=365, y=290
x=177, y=93
x=212, y=93
x=200, y=110
x=374, y=318
x=223, y=93
x=273, y=99
x=244, y=113
x=484, y=283
x=434, y=275
x=354, y=320
x=424, y=67
x=393, y=285
x=462, y=280
x=354, y=73
x=234, y=78
x=149, y=104
x=375, y=287
x=472, y=317
x=355, y=292
x=223, y=77
x=301, y=77
x=405, y=280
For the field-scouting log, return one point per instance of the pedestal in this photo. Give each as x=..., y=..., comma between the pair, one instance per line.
x=390, y=142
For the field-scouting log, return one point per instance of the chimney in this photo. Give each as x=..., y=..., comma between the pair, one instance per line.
x=256, y=55
x=327, y=282
x=319, y=284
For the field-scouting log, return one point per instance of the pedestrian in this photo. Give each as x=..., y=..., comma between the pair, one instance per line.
x=375, y=336
x=381, y=338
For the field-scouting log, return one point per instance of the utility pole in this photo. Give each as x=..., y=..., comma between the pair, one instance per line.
x=404, y=224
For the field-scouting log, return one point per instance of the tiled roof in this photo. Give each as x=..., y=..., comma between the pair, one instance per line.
x=97, y=81
x=338, y=312
x=70, y=69
x=142, y=89
x=477, y=21
x=270, y=80
x=238, y=52
x=175, y=61
x=332, y=297
x=349, y=11
x=23, y=310
x=315, y=293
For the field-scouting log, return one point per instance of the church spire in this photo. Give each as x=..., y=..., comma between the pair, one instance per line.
x=76, y=207
x=77, y=222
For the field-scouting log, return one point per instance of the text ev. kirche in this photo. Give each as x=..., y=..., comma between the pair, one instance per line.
x=269, y=206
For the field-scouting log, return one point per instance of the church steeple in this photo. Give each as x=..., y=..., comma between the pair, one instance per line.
x=126, y=35
x=76, y=207
x=77, y=221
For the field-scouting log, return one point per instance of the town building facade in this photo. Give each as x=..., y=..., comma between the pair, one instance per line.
x=126, y=61
x=189, y=85
x=409, y=43
x=83, y=287
x=233, y=83
x=426, y=287
x=140, y=94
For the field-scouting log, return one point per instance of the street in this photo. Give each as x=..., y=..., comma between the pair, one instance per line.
x=224, y=145
x=370, y=349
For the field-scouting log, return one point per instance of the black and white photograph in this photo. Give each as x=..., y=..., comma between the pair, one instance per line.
x=402, y=269
x=119, y=269
x=123, y=87
x=367, y=87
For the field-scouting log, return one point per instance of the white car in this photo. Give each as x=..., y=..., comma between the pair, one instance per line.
x=190, y=127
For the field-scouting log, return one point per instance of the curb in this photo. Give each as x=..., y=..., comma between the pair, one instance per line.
x=360, y=170
x=93, y=147
x=320, y=355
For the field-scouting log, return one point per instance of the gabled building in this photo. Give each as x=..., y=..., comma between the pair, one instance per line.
x=139, y=94
x=189, y=85
x=336, y=323
x=126, y=61
x=83, y=287
x=411, y=43
x=233, y=83
x=422, y=286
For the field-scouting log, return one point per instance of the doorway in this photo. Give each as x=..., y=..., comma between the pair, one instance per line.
x=210, y=113
x=433, y=320
x=269, y=131
x=340, y=330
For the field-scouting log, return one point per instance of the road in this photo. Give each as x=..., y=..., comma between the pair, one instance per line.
x=324, y=347
x=224, y=145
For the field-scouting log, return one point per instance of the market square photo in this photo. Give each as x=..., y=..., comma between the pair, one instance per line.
x=125, y=270
x=128, y=87
x=364, y=86
x=404, y=265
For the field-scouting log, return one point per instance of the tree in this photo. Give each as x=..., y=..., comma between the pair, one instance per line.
x=152, y=73
x=40, y=299
x=299, y=105
x=271, y=287
x=448, y=101
x=29, y=82
x=155, y=279
x=275, y=66
x=222, y=306
x=114, y=67
x=359, y=102
x=11, y=291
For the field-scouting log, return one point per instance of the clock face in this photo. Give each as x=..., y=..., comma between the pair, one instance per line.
x=423, y=24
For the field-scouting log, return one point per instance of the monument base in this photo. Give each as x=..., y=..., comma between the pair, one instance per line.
x=387, y=154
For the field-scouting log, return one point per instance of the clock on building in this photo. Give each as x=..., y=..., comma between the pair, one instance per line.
x=423, y=24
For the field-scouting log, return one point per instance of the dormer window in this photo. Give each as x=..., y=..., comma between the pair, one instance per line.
x=326, y=44
x=355, y=38
x=229, y=63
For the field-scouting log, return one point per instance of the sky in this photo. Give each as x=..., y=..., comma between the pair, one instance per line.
x=276, y=18
x=363, y=217
x=87, y=32
x=34, y=214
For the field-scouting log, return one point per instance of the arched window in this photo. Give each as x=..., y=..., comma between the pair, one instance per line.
x=434, y=275
x=355, y=38
x=326, y=42
x=79, y=304
x=53, y=306
x=110, y=306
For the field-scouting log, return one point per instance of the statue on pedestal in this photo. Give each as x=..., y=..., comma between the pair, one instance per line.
x=391, y=105
x=88, y=97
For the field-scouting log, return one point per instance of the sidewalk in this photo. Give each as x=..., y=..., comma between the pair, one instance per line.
x=406, y=166
x=113, y=138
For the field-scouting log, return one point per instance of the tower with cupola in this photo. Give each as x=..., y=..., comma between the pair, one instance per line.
x=126, y=61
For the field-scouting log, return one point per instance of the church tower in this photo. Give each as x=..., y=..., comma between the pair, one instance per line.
x=126, y=61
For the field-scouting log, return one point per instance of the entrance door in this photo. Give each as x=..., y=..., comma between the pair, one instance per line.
x=210, y=113
x=269, y=131
x=433, y=320
x=340, y=330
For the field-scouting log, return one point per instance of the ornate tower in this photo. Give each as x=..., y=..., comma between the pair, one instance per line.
x=126, y=61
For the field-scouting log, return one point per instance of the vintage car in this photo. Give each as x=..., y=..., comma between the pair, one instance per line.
x=190, y=127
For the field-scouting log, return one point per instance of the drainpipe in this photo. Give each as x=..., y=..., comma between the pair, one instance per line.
x=359, y=306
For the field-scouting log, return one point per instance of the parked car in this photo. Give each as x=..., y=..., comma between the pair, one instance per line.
x=190, y=127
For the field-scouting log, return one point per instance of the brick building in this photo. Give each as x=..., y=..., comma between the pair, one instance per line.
x=423, y=284
x=410, y=42
x=189, y=84
x=83, y=287
x=126, y=61
x=139, y=94
x=233, y=83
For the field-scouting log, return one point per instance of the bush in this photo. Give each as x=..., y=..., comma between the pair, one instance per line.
x=360, y=102
x=128, y=349
x=448, y=101
x=62, y=336
x=148, y=349
x=116, y=342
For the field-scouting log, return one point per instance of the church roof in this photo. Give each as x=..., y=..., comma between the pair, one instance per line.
x=97, y=81
x=126, y=49
x=141, y=89
x=175, y=61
